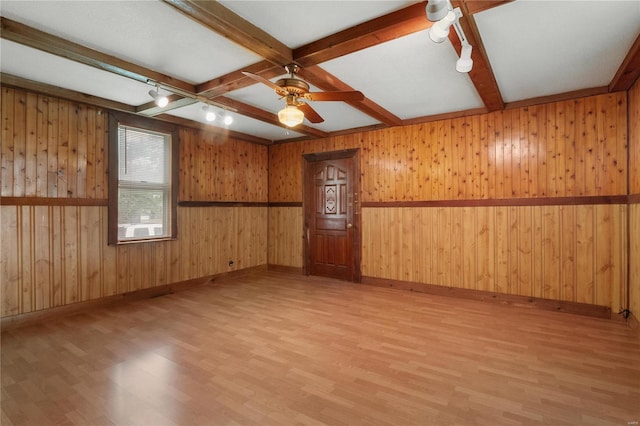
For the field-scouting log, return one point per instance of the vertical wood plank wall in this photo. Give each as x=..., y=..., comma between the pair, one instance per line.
x=52, y=255
x=634, y=207
x=563, y=149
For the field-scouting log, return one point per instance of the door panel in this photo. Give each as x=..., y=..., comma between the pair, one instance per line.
x=329, y=218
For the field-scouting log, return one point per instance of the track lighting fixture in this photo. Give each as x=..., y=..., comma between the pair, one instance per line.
x=445, y=16
x=160, y=100
x=290, y=116
x=209, y=114
x=465, y=63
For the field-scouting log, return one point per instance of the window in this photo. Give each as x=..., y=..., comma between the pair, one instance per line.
x=142, y=179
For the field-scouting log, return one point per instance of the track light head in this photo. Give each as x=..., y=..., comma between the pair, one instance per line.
x=440, y=30
x=437, y=9
x=465, y=63
x=209, y=114
x=160, y=100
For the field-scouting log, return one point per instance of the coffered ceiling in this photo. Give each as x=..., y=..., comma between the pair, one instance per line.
x=110, y=53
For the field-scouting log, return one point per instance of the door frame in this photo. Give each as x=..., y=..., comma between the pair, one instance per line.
x=308, y=195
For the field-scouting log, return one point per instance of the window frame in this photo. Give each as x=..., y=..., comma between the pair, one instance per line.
x=117, y=119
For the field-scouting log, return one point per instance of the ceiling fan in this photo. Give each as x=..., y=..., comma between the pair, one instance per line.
x=295, y=90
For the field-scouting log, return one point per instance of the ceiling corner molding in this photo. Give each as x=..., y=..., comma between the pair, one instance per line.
x=629, y=70
x=223, y=21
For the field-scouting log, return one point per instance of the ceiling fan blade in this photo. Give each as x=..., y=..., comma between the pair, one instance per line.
x=310, y=113
x=262, y=80
x=335, y=96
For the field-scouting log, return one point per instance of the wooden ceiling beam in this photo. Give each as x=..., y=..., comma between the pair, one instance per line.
x=267, y=117
x=481, y=75
x=326, y=81
x=223, y=21
x=236, y=80
x=629, y=70
x=376, y=31
x=475, y=6
x=28, y=36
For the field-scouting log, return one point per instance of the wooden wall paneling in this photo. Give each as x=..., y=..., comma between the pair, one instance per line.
x=503, y=236
x=90, y=154
x=585, y=255
x=72, y=255
x=19, y=144
x=603, y=260
x=108, y=259
x=560, y=151
x=31, y=145
x=634, y=257
x=42, y=136
x=82, y=141
x=56, y=254
x=63, y=148
x=10, y=256
x=72, y=152
x=470, y=247
x=8, y=145
x=589, y=148
x=285, y=236
x=101, y=159
x=552, y=230
x=25, y=249
x=634, y=138
x=581, y=182
x=52, y=147
x=41, y=236
x=92, y=243
x=619, y=163
x=122, y=269
x=568, y=237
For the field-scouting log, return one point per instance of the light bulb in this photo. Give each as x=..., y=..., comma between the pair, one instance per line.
x=160, y=100
x=290, y=116
x=209, y=115
x=228, y=120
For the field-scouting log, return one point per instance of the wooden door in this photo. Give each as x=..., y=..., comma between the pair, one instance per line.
x=331, y=216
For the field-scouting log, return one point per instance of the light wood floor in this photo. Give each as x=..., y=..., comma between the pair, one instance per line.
x=274, y=348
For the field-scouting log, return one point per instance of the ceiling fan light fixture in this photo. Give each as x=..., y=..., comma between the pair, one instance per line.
x=465, y=63
x=290, y=116
x=160, y=100
x=437, y=9
x=440, y=30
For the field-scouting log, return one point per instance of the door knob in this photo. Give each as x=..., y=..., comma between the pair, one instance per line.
x=349, y=226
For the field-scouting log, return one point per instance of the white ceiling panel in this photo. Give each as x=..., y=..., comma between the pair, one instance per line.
x=147, y=33
x=296, y=23
x=539, y=48
x=240, y=123
x=411, y=76
x=32, y=64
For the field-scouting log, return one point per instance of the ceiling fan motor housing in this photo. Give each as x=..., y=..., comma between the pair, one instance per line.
x=292, y=86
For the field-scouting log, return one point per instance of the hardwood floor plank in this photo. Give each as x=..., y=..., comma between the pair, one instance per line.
x=273, y=348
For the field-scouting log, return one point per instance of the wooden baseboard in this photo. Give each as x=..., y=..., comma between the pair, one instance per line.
x=287, y=269
x=487, y=296
x=15, y=321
